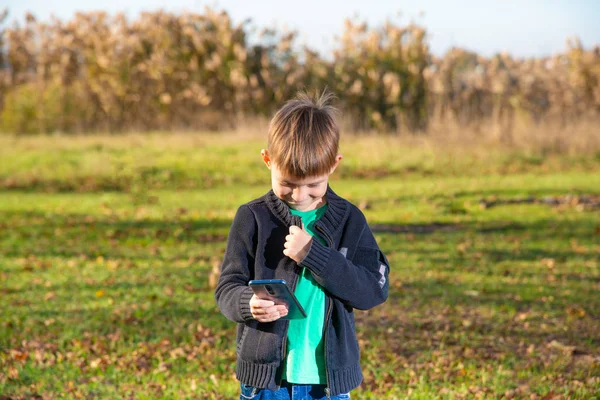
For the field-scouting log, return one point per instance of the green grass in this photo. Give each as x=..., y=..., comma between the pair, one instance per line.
x=105, y=293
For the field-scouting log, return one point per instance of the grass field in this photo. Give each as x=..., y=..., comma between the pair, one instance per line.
x=107, y=245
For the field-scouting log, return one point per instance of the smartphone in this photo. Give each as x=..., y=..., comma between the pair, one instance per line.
x=278, y=291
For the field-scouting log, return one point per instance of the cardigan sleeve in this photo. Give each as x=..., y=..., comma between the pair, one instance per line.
x=232, y=292
x=361, y=282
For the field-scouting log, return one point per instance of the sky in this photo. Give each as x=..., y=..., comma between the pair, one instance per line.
x=524, y=28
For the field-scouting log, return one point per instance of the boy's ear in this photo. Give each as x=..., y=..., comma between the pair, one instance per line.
x=338, y=158
x=266, y=159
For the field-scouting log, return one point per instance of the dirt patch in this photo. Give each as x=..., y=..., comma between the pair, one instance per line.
x=580, y=202
x=425, y=228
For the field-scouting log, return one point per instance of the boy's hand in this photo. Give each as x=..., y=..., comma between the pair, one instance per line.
x=297, y=243
x=266, y=310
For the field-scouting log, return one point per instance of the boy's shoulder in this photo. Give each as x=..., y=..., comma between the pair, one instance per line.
x=259, y=201
x=345, y=214
x=258, y=205
x=352, y=209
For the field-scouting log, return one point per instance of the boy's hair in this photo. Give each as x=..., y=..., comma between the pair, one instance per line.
x=304, y=136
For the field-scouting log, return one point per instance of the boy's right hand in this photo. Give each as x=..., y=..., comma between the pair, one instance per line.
x=266, y=310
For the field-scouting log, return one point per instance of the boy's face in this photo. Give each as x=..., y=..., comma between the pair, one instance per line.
x=304, y=194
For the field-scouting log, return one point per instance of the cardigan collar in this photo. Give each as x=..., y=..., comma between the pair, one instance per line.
x=332, y=221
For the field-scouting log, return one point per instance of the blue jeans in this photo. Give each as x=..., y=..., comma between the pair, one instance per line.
x=289, y=391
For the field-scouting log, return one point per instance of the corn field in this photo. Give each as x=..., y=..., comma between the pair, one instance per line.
x=101, y=72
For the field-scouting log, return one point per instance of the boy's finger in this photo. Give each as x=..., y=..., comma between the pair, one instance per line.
x=272, y=314
x=282, y=308
x=277, y=314
x=294, y=229
x=278, y=309
x=268, y=313
x=265, y=311
x=270, y=318
x=262, y=303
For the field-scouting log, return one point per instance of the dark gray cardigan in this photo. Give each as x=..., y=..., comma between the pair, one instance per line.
x=350, y=268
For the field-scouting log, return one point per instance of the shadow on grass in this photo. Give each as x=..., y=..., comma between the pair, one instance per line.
x=500, y=194
x=66, y=220
x=160, y=319
x=415, y=228
x=441, y=304
x=444, y=227
x=523, y=192
x=460, y=287
x=73, y=235
x=158, y=304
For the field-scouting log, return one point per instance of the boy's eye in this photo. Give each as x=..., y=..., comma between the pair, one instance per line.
x=313, y=185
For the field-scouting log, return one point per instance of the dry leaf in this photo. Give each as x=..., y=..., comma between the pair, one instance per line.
x=567, y=350
x=575, y=311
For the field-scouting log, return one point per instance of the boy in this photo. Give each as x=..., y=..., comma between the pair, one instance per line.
x=301, y=231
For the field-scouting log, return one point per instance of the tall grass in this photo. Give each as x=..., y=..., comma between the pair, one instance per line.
x=138, y=162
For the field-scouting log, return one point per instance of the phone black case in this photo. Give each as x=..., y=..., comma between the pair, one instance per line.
x=277, y=291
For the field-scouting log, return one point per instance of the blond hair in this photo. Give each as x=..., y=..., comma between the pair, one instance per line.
x=304, y=136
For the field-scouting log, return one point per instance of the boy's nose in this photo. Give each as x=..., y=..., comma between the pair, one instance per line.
x=298, y=194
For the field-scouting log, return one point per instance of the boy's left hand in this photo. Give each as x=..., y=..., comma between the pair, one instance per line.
x=297, y=243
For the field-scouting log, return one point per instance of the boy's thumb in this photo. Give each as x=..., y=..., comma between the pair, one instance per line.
x=295, y=228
